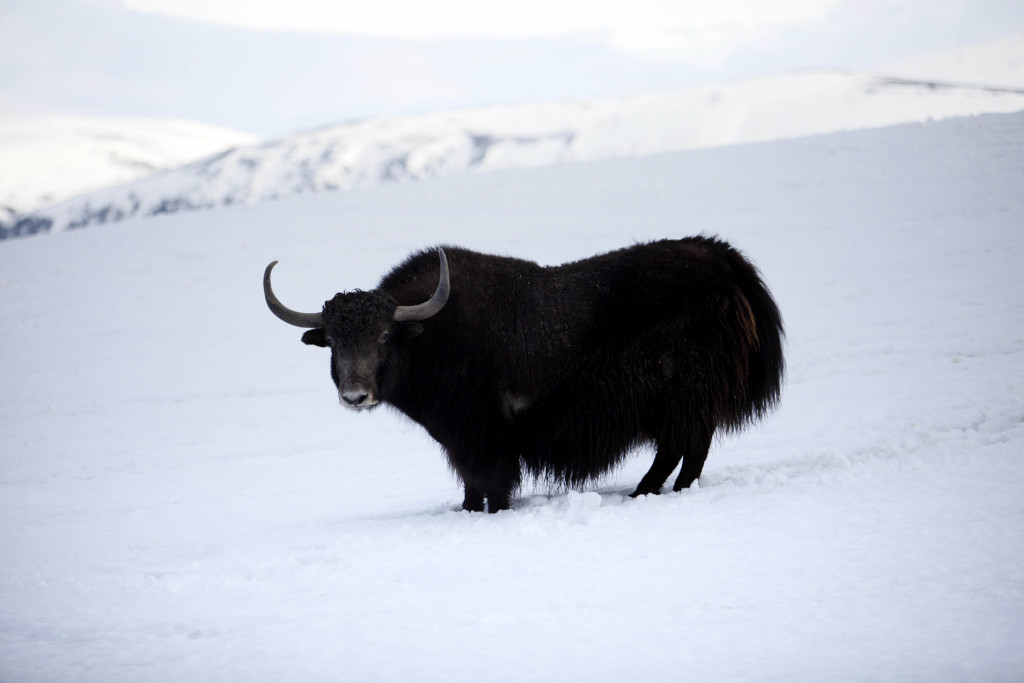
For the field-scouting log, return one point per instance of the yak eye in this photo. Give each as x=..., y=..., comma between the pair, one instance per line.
x=384, y=337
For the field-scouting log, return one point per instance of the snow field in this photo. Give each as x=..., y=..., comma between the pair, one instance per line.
x=183, y=499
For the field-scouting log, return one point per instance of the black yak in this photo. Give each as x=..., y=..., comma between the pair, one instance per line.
x=559, y=371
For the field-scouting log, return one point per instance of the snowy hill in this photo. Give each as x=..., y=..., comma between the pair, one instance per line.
x=402, y=148
x=997, y=63
x=182, y=499
x=50, y=158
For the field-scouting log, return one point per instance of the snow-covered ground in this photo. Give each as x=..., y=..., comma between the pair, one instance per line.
x=182, y=499
x=983, y=78
x=49, y=158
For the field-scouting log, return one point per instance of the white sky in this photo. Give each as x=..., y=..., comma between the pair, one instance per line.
x=680, y=29
x=259, y=65
x=473, y=18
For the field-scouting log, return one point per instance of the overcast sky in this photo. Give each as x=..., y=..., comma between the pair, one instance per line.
x=699, y=32
x=274, y=67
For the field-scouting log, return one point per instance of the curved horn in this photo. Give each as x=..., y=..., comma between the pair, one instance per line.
x=432, y=305
x=308, y=320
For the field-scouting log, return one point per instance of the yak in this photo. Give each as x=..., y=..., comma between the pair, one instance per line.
x=559, y=372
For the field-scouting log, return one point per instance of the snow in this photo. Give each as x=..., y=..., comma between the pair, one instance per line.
x=181, y=498
x=50, y=158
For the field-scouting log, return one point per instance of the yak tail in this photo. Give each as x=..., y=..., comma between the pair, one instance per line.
x=761, y=335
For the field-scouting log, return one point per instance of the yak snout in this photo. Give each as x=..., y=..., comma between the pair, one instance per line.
x=356, y=396
x=354, y=376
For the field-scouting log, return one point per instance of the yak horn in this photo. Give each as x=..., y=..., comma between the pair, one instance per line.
x=307, y=320
x=432, y=305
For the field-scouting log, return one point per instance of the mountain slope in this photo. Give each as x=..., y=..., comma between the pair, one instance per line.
x=50, y=158
x=402, y=148
x=997, y=63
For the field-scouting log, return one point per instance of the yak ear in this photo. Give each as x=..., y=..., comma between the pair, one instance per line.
x=315, y=337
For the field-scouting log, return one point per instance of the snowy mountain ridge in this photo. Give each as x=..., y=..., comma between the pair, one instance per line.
x=997, y=63
x=418, y=147
x=51, y=158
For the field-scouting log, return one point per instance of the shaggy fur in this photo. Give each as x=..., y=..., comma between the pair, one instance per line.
x=561, y=371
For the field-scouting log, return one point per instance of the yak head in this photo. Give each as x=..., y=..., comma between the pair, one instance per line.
x=362, y=329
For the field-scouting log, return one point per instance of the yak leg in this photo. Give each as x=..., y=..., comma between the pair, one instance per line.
x=474, y=500
x=665, y=461
x=490, y=470
x=699, y=443
x=502, y=481
x=670, y=435
x=677, y=443
x=497, y=486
